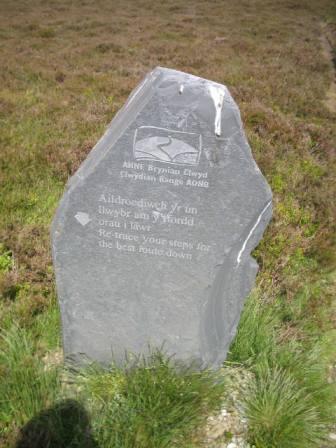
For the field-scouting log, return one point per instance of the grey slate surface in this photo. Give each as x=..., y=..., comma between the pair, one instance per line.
x=152, y=238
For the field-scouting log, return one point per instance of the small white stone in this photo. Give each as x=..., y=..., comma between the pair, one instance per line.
x=332, y=436
x=232, y=445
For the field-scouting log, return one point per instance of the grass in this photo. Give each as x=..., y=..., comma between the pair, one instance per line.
x=26, y=387
x=280, y=413
x=152, y=403
x=288, y=401
x=160, y=404
x=65, y=71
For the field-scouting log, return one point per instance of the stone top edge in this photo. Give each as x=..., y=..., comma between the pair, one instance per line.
x=185, y=76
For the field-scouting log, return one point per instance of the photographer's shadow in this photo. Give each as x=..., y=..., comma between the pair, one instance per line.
x=64, y=425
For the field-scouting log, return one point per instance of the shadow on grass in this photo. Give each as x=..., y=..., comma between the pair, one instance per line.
x=64, y=425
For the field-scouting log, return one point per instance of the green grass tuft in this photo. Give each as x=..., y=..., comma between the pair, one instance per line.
x=26, y=387
x=161, y=404
x=256, y=333
x=288, y=401
x=6, y=259
x=281, y=412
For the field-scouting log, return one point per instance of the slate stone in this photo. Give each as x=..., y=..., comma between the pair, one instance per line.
x=152, y=238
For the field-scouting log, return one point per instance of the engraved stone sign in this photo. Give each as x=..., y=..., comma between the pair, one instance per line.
x=152, y=238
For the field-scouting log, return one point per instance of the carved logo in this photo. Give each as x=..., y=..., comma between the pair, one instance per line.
x=165, y=145
x=82, y=218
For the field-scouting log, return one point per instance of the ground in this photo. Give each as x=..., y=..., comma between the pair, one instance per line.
x=66, y=69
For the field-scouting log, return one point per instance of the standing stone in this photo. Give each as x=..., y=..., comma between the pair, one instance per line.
x=152, y=238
